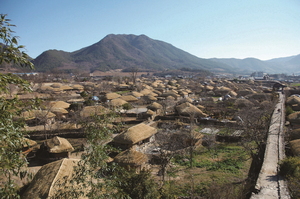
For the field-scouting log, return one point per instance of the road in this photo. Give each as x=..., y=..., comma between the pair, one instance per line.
x=269, y=184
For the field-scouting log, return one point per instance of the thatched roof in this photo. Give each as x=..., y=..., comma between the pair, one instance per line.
x=117, y=102
x=232, y=93
x=78, y=87
x=221, y=90
x=150, y=112
x=170, y=93
x=157, y=92
x=294, y=117
x=150, y=97
x=58, y=104
x=49, y=179
x=40, y=114
x=209, y=88
x=183, y=93
x=241, y=103
x=56, y=85
x=75, y=100
x=155, y=106
x=93, y=110
x=137, y=94
x=58, y=145
x=245, y=92
x=28, y=142
x=170, y=98
x=293, y=100
x=187, y=99
x=59, y=111
x=66, y=87
x=135, y=134
x=110, y=96
x=146, y=91
x=131, y=157
x=295, y=134
x=188, y=109
x=200, y=107
x=295, y=147
x=129, y=98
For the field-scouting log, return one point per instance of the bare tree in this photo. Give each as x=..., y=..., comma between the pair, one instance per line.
x=134, y=71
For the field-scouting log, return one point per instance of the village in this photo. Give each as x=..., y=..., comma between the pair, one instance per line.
x=157, y=123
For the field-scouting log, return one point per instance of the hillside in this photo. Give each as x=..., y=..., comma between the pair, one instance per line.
x=126, y=51
x=146, y=54
x=249, y=65
x=277, y=65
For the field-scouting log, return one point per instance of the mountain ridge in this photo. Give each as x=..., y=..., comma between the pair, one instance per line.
x=122, y=51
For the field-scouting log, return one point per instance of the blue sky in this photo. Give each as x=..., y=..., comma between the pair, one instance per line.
x=263, y=29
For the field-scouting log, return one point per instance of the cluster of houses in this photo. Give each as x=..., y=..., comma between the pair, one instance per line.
x=293, y=121
x=142, y=105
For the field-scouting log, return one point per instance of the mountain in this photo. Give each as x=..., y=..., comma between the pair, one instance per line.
x=126, y=51
x=278, y=65
x=249, y=65
x=288, y=64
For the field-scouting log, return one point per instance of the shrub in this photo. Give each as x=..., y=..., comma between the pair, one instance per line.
x=89, y=102
x=83, y=94
x=127, y=106
x=288, y=110
x=290, y=167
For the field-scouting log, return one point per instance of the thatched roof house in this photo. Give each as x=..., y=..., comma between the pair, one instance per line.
x=294, y=118
x=137, y=134
x=146, y=91
x=245, y=92
x=242, y=103
x=150, y=97
x=220, y=91
x=293, y=100
x=93, y=110
x=188, y=109
x=54, y=149
x=58, y=104
x=50, y=179
x=137, y=94
x=295, y=147
x=111, y=96
x=129, y=98
x=131, y=158
x=155, y=106
x=37, y=114
x=170, y=93
x=117, y=102
x=27, y=146
x=295, y=134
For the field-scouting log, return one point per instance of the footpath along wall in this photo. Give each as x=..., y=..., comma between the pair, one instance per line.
x=269, y=184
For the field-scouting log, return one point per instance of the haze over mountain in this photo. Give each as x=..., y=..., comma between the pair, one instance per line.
x=127, y=51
